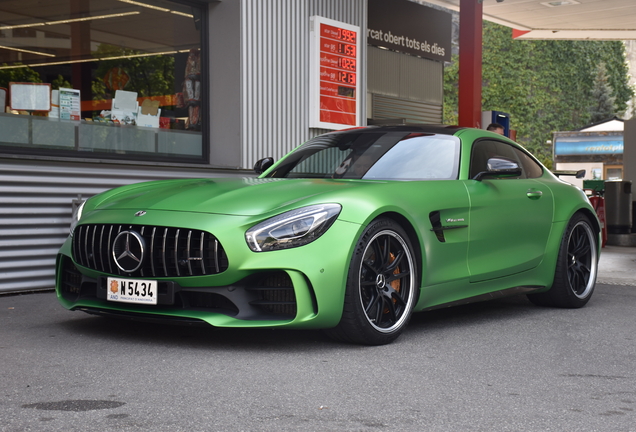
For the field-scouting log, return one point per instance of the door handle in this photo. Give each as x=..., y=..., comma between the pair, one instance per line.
x=534, y=194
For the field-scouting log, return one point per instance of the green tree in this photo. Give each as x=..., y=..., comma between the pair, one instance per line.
x=546, y=86
x=149, y=75
x=20, y=74
x=60, y=82
x=603, y=106
x=451, y=84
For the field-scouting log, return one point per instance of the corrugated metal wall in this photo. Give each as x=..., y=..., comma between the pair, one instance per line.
x=404, y=87
x=275, y=71
x=35, y=210
x=384, y=107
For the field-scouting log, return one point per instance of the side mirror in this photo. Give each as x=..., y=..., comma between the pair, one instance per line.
x=262, y=165
x=498, y=167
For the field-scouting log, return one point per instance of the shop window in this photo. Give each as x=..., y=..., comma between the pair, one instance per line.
x=613, y=172
x=125, y=78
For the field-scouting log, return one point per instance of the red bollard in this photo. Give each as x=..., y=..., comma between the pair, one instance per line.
x=598, y=202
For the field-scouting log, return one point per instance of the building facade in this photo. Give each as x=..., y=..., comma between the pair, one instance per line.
x=98, y=94
x=597, y=149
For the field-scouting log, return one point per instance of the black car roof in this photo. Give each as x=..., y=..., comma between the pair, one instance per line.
x=423, y=128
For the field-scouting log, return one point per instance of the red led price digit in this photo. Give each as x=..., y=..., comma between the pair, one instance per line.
x=347, y=63
x=346, y=77
x=346, y=49
x=347, y=35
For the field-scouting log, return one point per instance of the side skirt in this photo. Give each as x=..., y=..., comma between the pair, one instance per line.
x=488, y=296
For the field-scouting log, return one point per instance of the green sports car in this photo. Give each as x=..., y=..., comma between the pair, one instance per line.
x=351, y=232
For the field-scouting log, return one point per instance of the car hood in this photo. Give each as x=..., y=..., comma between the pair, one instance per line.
x=231, y=196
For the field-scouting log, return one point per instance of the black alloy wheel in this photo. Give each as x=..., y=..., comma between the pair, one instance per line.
x=581, y=260
x=384, y=280
x=381, y=286
x=576, y=269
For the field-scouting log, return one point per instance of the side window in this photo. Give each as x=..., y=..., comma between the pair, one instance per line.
x=486, y=149
x=530, y=167
x=482, y=151
x=418, y=158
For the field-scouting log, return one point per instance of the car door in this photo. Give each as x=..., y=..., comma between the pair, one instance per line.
x=510, y=218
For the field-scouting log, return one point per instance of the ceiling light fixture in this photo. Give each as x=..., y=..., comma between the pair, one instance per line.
x=26, y=51
x=146, y=5
x=136, y=3
x=561, y=3
x=46, y=64
x=182, y=14
x=69, y=21
x=94, y=59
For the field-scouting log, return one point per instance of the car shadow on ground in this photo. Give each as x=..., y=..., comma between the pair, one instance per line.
x=206, y=337
x=109, y=329
x=514, y=307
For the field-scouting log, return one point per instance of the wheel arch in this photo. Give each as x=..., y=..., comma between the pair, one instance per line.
x=591, y=216
x=564, y=284
x=596, y=225
x=414, y=238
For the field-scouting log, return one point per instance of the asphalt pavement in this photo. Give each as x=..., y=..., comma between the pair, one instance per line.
x=617, y=266
x=503, y=365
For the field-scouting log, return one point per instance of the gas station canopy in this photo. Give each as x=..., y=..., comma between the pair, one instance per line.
x=559, y=19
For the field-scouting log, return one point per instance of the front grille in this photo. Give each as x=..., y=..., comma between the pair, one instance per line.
x=167, y=251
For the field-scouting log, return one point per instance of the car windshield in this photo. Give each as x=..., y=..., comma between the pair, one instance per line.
x=374, y=155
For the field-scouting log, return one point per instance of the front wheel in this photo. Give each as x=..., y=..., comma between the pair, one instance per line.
x=577, y=267
x=381, y=286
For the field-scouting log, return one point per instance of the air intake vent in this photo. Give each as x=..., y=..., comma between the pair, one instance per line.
x=275, y=294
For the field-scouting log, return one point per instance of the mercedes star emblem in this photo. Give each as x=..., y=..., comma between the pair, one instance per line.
x=140, y=213
x=128, y=251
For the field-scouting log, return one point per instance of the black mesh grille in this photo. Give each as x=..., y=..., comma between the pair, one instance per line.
x=208, y=301
x=70, y=280
x=167, y=251
x=275, y=294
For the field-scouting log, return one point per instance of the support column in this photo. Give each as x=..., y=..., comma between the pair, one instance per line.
x=470, y=40
x=80, y=49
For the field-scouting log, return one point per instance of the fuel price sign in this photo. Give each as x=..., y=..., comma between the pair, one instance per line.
x=334, y=74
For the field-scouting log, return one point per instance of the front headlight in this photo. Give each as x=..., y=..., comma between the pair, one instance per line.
x=293, y=228
x=78, y=208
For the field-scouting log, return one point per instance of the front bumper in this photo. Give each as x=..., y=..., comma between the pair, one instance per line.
x=297, y=288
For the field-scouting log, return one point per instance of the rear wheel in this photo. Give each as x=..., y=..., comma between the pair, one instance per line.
x=381, y=286
x=576, y=269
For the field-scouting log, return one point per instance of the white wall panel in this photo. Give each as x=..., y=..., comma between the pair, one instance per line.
x=275, y=74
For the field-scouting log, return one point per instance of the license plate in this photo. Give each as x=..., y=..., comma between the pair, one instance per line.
x=132, y=291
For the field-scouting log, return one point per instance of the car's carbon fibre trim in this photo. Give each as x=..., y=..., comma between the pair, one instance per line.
x=488, y=296
x=267, y=295
x=408, y=127
x=444, y=228
x=438, y=228
x=143, y=317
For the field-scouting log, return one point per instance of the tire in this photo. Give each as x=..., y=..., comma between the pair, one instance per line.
x=381, y=286
x=576, y=269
